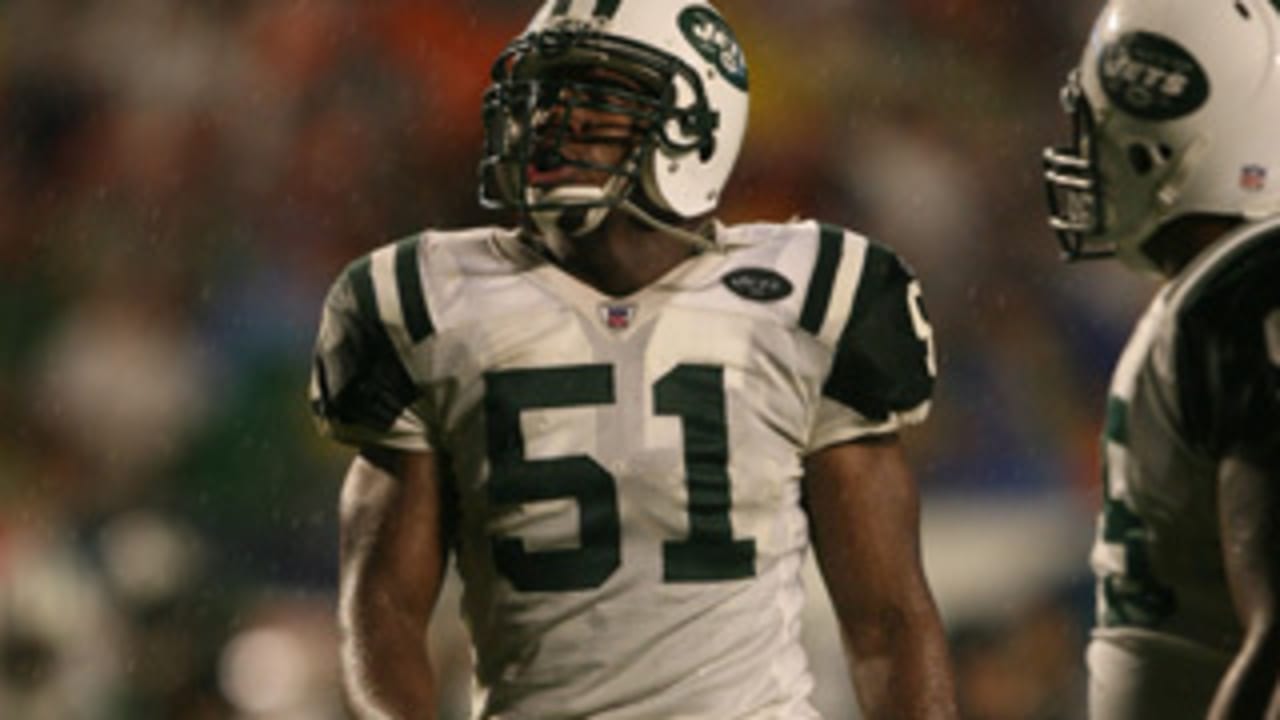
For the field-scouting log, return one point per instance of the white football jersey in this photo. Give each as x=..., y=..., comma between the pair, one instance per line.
x=1200, y=374
x=624, y=473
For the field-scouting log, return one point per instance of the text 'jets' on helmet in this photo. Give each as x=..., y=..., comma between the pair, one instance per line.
x=1176, y=112
x=673, y=66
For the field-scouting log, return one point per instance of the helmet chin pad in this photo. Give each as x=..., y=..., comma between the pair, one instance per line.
x=573, y=210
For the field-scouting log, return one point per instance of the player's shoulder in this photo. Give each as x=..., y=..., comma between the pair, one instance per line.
x=462, y=247
x=858, y=298
x=839, y=274
x=1235, y=275
x=822, y=247
x=392, y=285
x=801, y=233
x=1219, y=337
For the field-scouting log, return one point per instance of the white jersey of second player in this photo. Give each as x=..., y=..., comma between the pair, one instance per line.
x=1196, y=374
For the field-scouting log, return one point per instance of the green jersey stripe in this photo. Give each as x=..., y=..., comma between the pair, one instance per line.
x=880, y=270
x=1117, y=424
x=409, y=282
x=360, y=274
x=382, y=389
x=816, y=301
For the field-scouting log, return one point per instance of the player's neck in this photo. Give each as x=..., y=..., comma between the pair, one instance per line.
x=623, y=256
x=1175, y=245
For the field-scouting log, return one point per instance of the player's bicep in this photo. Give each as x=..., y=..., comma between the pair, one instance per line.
x=1249, y=513
x=393, y=554
x=392, y=528
x=864, y=511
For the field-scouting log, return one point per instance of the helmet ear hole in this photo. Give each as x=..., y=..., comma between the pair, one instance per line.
x=1144, y=158
x=1141, y=158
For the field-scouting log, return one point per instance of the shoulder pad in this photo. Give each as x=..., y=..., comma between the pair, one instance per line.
x=376, y=304
x=884, y=358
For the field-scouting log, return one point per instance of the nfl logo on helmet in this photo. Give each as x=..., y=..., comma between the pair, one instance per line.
x=1253, y=177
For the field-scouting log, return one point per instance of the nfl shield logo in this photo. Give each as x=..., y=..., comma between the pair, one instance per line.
x=1253, y=177
x=618, y=317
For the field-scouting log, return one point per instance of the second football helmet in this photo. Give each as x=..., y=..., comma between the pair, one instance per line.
x=1175, y=107
x=673, y=67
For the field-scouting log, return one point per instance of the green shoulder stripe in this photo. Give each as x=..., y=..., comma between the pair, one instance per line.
x=413, y=303
x=818, y=298
x=364, y=382
x=1117, y=423
x=360, y=275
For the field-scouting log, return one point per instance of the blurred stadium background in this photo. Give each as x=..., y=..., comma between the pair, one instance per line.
x=180, y=180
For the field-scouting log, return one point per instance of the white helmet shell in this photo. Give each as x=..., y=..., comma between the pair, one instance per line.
x=1184, y=102
x=682, y=173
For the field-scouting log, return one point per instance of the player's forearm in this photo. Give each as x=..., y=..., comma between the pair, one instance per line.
x=901, y=668
x=1249, y=510
x=1251, y=688
x=387, y=673
x=392, y=567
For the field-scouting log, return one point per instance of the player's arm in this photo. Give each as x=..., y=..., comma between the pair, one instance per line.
x=1226, y=356
x=393, y=556
x=864, y=510
x=1249, y=513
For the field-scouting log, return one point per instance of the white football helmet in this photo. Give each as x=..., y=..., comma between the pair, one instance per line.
x=685, y=88
x=1175, y=106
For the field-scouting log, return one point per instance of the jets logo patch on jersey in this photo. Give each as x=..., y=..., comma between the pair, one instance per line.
x=758, y=284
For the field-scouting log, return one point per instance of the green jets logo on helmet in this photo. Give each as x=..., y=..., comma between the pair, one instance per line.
x=711, y=37
x=1152, y=77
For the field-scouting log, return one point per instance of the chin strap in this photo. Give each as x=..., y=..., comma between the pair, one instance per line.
x=697, y=238
x=554, y=236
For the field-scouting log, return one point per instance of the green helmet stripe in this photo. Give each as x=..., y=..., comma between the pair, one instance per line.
x=606, y=8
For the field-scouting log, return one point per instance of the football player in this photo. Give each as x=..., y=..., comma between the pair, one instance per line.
x=626, y=421
x=1175, y=108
